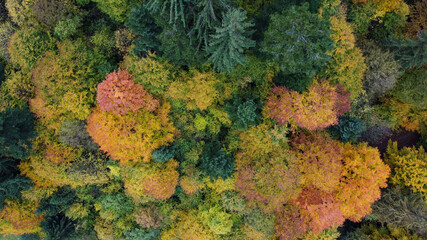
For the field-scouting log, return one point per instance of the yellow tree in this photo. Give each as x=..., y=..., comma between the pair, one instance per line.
x=409, y=167
x=18, y=218
x=131, y=137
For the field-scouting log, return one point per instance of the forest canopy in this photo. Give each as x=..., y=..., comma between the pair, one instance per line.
x=213, y=119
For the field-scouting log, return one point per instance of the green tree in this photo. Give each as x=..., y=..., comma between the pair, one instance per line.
x=400, y=207
x=73, y=133
x=227, y=45
x=206, y=20
x=142, y=24
x=6, y=31
x=348, y=128
x=299, y=42
x=215, y=162
x=382, y=72
x=11, y=183
x=27, y=46
x=243, y=113
x=411, y=52
x=16, y=130
x=118, y=10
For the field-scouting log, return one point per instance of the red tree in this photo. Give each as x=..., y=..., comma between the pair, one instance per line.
x=119, y=93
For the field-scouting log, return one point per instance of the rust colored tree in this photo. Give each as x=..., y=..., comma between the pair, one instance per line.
x=317, y=108
x=119, y=94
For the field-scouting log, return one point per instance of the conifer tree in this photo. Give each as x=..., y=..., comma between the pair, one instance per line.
x=226, y=48
x=142, y=24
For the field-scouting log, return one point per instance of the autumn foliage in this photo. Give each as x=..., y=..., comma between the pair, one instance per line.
x=120, y=94
x=124, y=124
x=131, y=137
x=19, y=218
x=317, y=108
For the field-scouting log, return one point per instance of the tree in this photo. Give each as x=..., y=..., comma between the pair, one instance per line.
x=408, y=165
x=227, y=45
x=267, y=173
x=289, y=224
x=382, y=71
x=27, y=46
x=16, y=130
x=206, y=20
x=73, y=133
x=117, y=10
x=218, y=220
x=58, y=227
x=298, y=41
x=401, y=208
x=319, y=161
x=363, y=176
x=347, y=66
x=319, y=209
x=348, y=128
x=410, y=52
x=215, y=162
x=153, y=73
x=148, y=217
x=20, y=12
x=417, y=19
x=198, y=92
x=18, y=217
x=175, y=7
x=61, y=95
x=6, y=31
x=113, y=206
x=260, y=221
x=131, y=137
x=120, y=95
x=88, y=168
x=20, y=86
x=148, y=182
x=243, y=113
x=49, y=12
x=142, y=24
x=317, y=108
x=11, y=183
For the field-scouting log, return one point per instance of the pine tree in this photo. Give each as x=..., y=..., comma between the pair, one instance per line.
x=226, y=48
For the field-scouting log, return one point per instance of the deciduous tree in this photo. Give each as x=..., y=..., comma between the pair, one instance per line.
x=317, y=108
x=119, y=94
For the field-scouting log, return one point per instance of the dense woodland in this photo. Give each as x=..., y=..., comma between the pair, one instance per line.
x=213, y=119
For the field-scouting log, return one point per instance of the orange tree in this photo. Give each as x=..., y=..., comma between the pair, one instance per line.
x=317, y=108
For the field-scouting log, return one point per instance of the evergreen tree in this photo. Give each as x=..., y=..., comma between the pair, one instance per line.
x=298, y=41
x=411, y=52
x=206, y=20
x=226, y=48
x=16, y=128
x=142, y=24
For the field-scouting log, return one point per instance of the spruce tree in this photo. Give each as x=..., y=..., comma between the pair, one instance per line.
x=411, y=52
x=142, y=24
x=226, y=47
